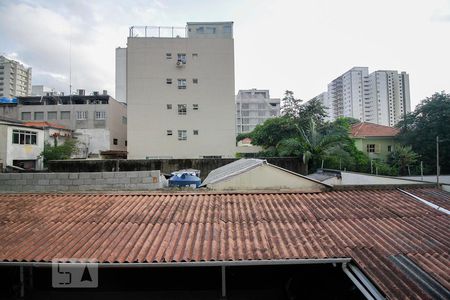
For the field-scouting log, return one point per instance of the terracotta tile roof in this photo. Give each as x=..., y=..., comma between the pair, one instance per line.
x=45, y=125
x=369, y=226
x=365, y=129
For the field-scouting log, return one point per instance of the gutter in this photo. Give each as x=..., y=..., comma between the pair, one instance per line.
x=362, y=282
x=189, y=264
x=437, y=207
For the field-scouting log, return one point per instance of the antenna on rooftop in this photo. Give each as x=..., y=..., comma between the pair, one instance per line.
x=70, y=61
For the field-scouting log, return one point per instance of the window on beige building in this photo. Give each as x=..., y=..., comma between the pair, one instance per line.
x=182, y=109
x=65, y=115
x=100, y=115
x=182, y=135
x=182, y=84
x=26, y=116
x=39, y=115
x=52, y=115
x=82, y=115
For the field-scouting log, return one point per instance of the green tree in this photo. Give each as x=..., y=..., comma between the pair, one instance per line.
x=302, y=113
x=402, y=158
x=419, y=129
x=290, y=106
x=310, y=145
x=59, y=152
x=272, y=131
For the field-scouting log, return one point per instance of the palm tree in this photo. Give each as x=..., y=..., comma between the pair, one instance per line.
x=310, y=145
x=401, y=158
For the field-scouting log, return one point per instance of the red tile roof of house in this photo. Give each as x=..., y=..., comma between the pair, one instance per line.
x=365, y=129
x=45, y=125
x=372, y=227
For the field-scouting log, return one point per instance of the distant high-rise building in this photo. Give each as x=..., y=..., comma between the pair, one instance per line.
x=15, y=78
x=381, y=97
x=253, y=107
x=121, y=74
x=180, y=91
x=390, y=99
x=324, y=99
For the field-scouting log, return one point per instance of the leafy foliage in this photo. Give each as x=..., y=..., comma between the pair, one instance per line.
x=402, y=158
x=272, y=131
x=60, y=152
x=419, y=129
x=291, y=107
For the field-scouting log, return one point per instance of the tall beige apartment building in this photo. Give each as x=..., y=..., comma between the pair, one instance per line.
x=180, y=91
x=15, y=78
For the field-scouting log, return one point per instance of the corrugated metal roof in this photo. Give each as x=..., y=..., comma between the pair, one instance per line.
x=435, y=196
x=233, y=169
x=369, y=226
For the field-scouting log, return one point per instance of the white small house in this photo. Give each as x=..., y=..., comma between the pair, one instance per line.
x=21, y=145
x=258, y=174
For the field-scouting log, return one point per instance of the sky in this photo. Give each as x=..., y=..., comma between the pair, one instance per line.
x=279, y=45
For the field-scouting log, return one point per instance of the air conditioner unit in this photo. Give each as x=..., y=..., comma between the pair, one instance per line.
x=179, y=63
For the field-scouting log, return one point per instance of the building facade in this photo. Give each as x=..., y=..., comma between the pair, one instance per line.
x=20, y=145
x=121, y=75
x=254, y=107
x=15, y=78
x=99, y=122
x=180, y=91
x=381, y=97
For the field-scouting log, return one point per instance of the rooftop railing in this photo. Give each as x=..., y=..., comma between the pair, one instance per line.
x=158, y=31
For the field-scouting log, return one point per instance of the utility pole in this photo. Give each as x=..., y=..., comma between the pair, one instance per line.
x=437, y=161
x=421, y=170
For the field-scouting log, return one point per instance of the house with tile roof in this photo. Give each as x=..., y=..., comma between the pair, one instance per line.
x=386, y=243
x=258, y=174
x=54, y=134
x=377, y=141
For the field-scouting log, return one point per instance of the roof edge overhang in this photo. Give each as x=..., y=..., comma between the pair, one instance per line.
x=302, y=261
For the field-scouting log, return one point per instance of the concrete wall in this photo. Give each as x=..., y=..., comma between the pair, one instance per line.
x=95, y=181
x=165, y=165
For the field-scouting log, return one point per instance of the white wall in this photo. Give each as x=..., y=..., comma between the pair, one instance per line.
x=24, y=152
x=92, y=141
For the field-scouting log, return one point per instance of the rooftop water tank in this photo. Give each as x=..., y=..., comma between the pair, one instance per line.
x=184, y=179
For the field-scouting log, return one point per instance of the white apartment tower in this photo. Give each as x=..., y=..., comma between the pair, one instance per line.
x=180, y=91
x=381, y=97
x=389, y=92
x=15, y=78
x=254, y=107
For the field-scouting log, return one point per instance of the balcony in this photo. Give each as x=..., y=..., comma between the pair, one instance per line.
x=158, y=32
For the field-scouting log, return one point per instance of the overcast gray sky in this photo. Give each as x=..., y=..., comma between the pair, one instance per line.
x=279, y=45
